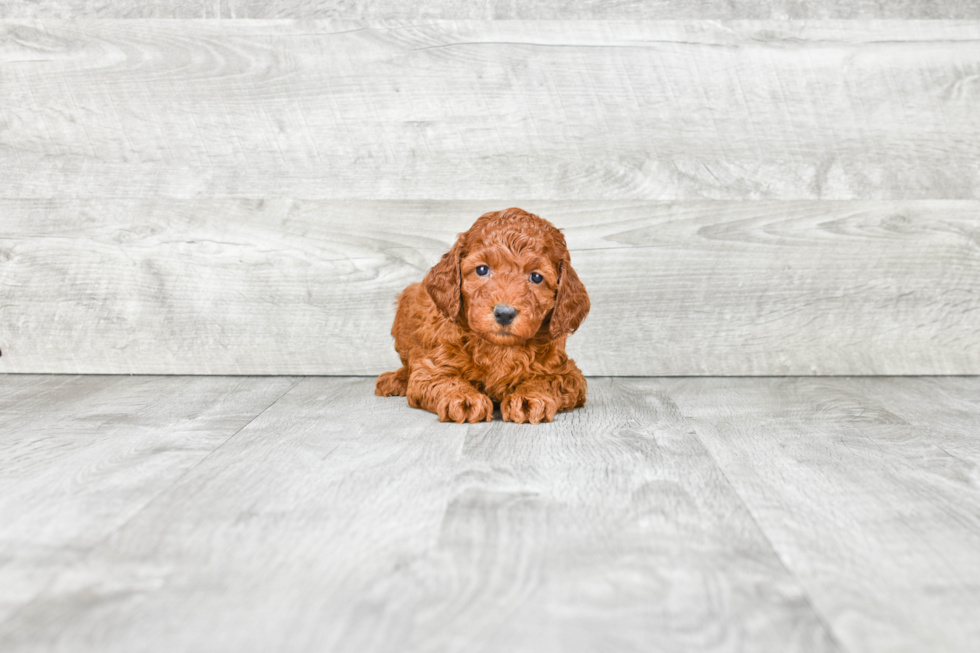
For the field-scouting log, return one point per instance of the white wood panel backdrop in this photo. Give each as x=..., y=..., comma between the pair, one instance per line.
x=491, y=109
x=247, y=196
x=490, y=9
x=306, y=286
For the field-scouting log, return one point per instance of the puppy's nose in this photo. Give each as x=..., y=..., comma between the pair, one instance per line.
x=504, y=314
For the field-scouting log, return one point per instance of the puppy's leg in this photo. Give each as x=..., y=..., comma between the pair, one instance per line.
x=447, y=394
x=392, y=384
x=539, y=399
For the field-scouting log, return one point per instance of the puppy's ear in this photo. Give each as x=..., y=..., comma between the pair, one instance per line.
x=571, y=302
x=443, y=282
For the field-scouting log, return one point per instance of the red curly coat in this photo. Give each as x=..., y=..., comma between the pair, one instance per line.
x=488, y=325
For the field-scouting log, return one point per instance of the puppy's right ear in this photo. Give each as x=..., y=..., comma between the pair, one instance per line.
x=443, y=282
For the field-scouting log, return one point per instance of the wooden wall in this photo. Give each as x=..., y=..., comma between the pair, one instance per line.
x=742, y=197
x=493, y=9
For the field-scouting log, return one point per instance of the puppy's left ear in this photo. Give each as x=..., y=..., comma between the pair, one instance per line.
x=571, y=302
x=442, y=282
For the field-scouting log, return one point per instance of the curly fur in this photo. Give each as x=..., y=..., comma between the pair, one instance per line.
x=458, y=360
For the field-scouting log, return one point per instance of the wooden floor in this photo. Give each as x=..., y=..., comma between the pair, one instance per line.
x=305, y=514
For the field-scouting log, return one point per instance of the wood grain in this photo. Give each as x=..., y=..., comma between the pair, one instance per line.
x=491, y=9
x=491, y=109
x=341, y=521
x=303, y=533
x=307, y=287
x=80, y=456
x=608, y=530
x=868, y=507
x=784, y=514
x=949, y=420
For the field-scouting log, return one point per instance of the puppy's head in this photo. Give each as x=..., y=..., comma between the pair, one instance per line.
x=508, y=279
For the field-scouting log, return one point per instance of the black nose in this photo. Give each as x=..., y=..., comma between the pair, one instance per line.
x=504, y=314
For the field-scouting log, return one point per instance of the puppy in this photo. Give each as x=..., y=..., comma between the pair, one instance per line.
x=488, y=325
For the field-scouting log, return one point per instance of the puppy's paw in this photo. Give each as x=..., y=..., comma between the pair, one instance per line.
x=470, y=407
x=529, y=407
x=391, y=384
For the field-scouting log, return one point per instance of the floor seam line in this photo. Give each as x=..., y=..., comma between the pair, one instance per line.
x=10, y=617
x=772, y=547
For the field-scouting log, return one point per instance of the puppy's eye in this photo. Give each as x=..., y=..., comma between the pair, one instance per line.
x=536, y=277
x=482, y=270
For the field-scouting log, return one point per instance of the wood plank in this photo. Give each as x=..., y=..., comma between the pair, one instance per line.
x=346, y=522
x=25, y=396
x=81, y=456
x=950, y=419
x=307, y=287
x=609, y=530
x=31, y=401
x=879, y=522
x=491, y=109
x=302, y=533
x=492, y=9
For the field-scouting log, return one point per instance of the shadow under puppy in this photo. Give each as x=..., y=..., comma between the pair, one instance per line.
x=488, y=325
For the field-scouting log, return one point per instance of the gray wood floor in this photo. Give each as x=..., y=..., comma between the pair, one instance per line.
x=306, y=514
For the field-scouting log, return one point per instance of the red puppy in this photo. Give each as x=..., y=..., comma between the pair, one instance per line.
x=488, y=324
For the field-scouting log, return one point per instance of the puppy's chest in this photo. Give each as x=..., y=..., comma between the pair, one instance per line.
x=498, y=370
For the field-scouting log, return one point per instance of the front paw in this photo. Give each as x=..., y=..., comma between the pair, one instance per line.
x=470, y=407
x=533, y=407
x=391, y=384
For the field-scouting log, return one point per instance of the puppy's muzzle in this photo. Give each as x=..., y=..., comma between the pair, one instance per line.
x=504, y=314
